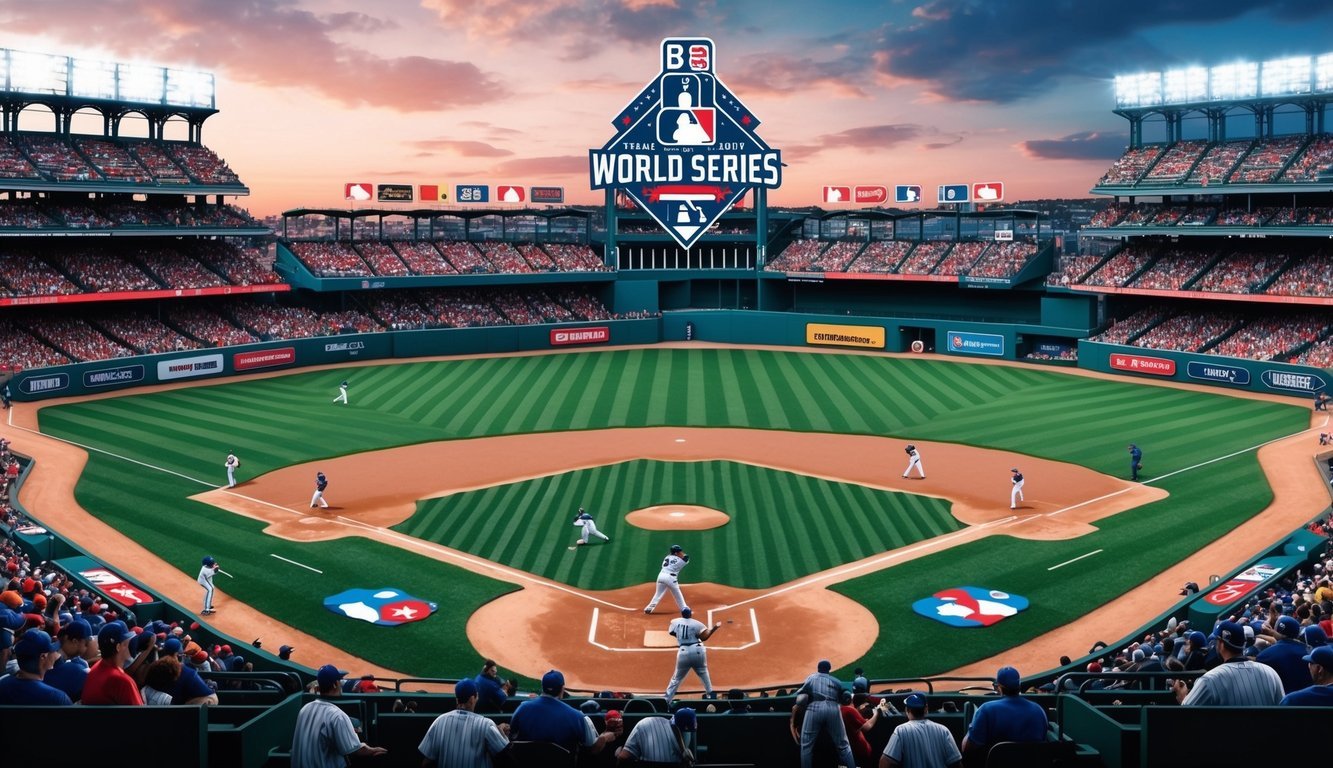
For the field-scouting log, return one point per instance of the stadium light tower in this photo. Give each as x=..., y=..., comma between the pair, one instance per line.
x=37, y=72
x=1282, y=77
x=1184, y=86
x=1323, y=72
x=1143, y=89
x=1234, y=81
x=93, y=79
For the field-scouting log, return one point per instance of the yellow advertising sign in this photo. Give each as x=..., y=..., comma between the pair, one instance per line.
x=869, y=336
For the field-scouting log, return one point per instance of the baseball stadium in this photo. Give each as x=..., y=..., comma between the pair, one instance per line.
x=447, y=428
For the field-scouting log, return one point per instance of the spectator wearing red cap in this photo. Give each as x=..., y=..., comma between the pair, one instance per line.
x=36, y=653
x=107, y=681
x=1008, y=718
x=463, y=737
x=324, y=735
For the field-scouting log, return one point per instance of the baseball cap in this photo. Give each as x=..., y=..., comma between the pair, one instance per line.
x=329, y=674
x=1008, y=677
x=1094, y=666
x=1015, y=469
x=1198, y=638
x=465, y=689
x=208, y=560
x=172, y=646
x=236, y=663
x=915, y=701
x=114, y=632
x=29, y=585
x=590, y=707
x=11, y=599
x=686, y=612
x=824, y=665
x=1323, y=656
x=1314, y=636
x=553, y=681
x=285, y=651
x=199, y=656
x=78, y=629
x=1232, y=634
x=614, y=714
x=34, y=642
x=1288, y=626
x=684, y=719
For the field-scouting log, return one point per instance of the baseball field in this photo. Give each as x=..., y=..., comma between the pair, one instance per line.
x=457, y=482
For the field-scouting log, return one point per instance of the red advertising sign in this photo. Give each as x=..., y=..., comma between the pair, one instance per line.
x=360, y=191
x=264, y=358
x=505, y=194
x=988, y=192
x=1157, y=366
x=1241, y=585
x=112, y=584
x=871, y=194
x=547, y=194
x=837, y=194
x=595, y=335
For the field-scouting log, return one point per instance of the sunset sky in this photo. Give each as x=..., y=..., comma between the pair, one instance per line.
x=314, y=93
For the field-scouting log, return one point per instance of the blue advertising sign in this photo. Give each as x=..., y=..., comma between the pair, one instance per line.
x=472, y=193
x=907, y=193
x=38, y=385
x=685, y=148
x=976, y=343
x=105, y=377
x=1227, y=374
x=954, y=193
x=1299, y=382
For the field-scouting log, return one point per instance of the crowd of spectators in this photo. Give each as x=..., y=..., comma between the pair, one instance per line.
x=1176, y=161
x=1126, y=328
x=798, y=256
x=881, y=256
x=34, y=155
x=112, y=160
x=1317, y=157
x=18, y=348
x=146, y=335
x=1319, y=215
x=422, y=258
x=1272, y=338
x=1172, y=270
x=23, y=214
x=1072, y=269
x=207, y=325
x=1240, y=272
x=102, y=214
x=1139, y=215
x=513, y=307
x=327, y=258
x=13, y=163
x=240, y=264
x=1266, y=159
x=382, y=259
x=576, y=257
x=1188, y=332
x=924, y=257
x=1131, y=165
x=201, y=162
x=75, y=336
x=1218, y=161
x=462, y=308
x=961, y=258
x=1191, y=216
x=505, y=257
x=1242, y=217
x=99, y=271
x=1318, y=355
x=837, y=256
x=54, y=157
x=465, y=257
x=583, y=304
x=540, y=260
x=153, y=156
x=175, y=269
x=1309, y=275
x=1110, y=215
x=276, y=321
x=1003, y=259
x=1121, y=266
x=26, y=275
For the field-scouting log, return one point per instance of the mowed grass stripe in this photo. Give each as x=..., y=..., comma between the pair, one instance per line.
x=729, y=381
x=590, y=392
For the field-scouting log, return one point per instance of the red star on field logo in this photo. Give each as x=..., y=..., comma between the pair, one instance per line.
x=625, y=119
x=745, y=120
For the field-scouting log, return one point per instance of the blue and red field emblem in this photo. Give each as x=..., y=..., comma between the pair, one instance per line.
x=685, y=149
x=970, y=606
x=387, y=607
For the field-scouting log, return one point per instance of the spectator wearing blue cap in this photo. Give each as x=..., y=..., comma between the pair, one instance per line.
x=920, y=741
x=1238, y=681
x=1286, y=656
x=324, y=736
x=548, y=718
x=36, y=653
x=1008, y=718
x=1320, y=694
x=818, y=710
x=71, y=668
x=107, y=681
x=462, y=737
x=1196, y=652
x=658, y=739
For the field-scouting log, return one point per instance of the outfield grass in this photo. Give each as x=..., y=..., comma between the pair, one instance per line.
x=286, y=420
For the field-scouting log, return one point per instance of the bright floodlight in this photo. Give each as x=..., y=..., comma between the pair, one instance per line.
x=1323, y=72
x=93, y=79
x=1138, y=90
x=190, y=89
x=1286, y=76
x=1234, y=81
x=139, y=82
x=1183, y=86
x=36, y=72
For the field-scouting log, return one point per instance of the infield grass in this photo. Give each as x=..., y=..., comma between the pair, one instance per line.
x=271, y=423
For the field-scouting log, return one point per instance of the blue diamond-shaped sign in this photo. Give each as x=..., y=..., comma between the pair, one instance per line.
x=686, y=148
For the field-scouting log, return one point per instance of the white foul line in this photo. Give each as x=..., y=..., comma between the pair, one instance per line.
x=293, y=562
x=1075, y=560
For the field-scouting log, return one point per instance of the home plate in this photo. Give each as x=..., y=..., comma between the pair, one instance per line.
x=680, y=439
x=658, y=638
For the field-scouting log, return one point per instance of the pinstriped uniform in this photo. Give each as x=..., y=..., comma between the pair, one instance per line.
x=1241, y=682
x=689, y=655
x=654, y=740
x=462, y=739
x=668, y=580
x=823, y=714
x=324, y=736
x=923, y=744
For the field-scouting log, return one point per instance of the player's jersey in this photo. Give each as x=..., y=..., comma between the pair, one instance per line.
x=672, y=565
x=686, y=631
x=206, y=576
x=1018, y=478
x=321, y=482
x=232, y=461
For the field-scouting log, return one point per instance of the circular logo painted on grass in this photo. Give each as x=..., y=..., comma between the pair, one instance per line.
x=970, y=606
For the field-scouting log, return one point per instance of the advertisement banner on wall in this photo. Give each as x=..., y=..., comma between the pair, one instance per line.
x=1157, y=366
x=964, y=343
x=105, y=377
x=1226, y=374
x=1290, y=380
x=867, y=336
x=189, y=367
x=39, y=385
x=263, y=358
x=595, y=335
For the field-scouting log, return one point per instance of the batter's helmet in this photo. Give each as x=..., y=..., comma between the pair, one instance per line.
x=208, y=560
x=686, y=612
x=580, y=510
x=677, y=548
x=911, y=447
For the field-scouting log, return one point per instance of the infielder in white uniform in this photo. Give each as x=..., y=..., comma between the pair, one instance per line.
x=1016, y=493
x=342, y=394
x=321, y=482
x=914, y=460
x=231, y=464
x=668, y=578
x=585, y=521
x=205, y=580
x=690, y=634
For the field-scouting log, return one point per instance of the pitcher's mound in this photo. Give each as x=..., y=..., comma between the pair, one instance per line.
x=677, y=517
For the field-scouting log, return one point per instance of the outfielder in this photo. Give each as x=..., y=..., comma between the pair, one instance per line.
x=342, y=394
x=668, y=578
x=206, y=573
x=231, y=464
x=1016, y=493
x=690, y=633
x=914, y=460
x=585, y=521
x=321, y=482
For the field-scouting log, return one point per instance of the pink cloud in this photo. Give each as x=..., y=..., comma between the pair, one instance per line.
x=462, y=148
x=544, y=167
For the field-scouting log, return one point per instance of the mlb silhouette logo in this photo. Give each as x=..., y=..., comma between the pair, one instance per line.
x=970, y=606
x=509, y=194
x=700, y=59
x=837, y=194
x=687, y=117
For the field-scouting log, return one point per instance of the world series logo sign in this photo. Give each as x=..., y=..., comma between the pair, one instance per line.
x=686, y=148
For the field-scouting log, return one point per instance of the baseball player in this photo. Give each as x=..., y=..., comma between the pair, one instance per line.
x=690, y=633
x=1135, y=461
x=231, y=464
x=1016, y=493
x=321, y=482
x=668, y=578
x=206, y=573
x=585, y=521
x=914, y=460
x=342, y=394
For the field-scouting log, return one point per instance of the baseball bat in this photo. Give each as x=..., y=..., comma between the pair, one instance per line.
x=224, y=573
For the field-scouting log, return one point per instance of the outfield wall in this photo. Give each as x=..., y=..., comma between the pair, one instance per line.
x=1228, y=372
